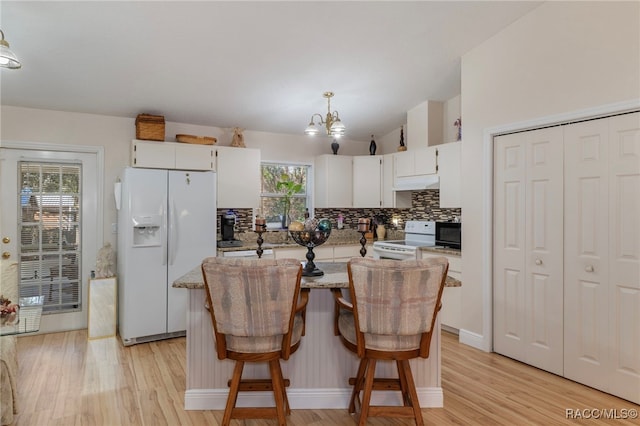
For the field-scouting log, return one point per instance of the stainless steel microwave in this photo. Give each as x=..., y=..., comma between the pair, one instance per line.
x=449, y=234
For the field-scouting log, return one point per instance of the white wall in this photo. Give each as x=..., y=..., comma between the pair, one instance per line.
x=115, y=135
x=561, y=57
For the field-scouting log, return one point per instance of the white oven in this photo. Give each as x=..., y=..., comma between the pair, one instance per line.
x=417, y=233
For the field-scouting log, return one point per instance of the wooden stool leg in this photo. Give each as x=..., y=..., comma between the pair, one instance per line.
x=403, y=384
x=406, y=368
x=357, y=386
x=368, y=388
x=278, y=389
x=287, y=408
x=233, y=393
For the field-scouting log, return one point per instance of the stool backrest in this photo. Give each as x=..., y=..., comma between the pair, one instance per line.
x=252, y=297
x=396, y=298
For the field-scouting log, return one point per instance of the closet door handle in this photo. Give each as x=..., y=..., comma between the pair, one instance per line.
x=589, y=268
x=538, y=261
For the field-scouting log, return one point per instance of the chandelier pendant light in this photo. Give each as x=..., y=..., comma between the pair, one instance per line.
x=7, y=58
x=332, y=123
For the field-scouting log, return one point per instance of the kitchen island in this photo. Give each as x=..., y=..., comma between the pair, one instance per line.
x=319, y=371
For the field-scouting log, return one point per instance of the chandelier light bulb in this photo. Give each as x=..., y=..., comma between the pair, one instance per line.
x=332, y=123
x=7, y=58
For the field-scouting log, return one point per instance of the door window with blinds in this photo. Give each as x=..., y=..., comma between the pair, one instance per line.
x=49, y=228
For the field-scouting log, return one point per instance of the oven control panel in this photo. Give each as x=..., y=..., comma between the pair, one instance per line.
x=420, y=227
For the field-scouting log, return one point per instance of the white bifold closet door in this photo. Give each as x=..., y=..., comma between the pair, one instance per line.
x=602, y=254
x=528, y=265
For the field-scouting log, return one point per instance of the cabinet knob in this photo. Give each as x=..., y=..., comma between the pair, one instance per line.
x=538, y=261
x=6, y=255
x=589, y=268
x=6, y=240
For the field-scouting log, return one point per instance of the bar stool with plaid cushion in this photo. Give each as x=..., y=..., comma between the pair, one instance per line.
x=391, y=316
x=257, y=311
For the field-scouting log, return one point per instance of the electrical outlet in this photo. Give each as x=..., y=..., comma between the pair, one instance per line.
x=114, y=228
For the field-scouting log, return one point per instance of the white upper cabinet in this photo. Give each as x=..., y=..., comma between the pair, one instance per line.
x=391, y=198
x=367, y=181
x=416, y=162
x=171, y=155
x=238, y=177
x=424, y=125
x=333, y=181
x=449, y=173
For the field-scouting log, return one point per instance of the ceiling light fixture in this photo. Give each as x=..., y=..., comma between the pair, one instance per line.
x=332, y=121
x=7, y=58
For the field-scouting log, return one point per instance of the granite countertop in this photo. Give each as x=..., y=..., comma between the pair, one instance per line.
x=443, y=250
x=335, y=276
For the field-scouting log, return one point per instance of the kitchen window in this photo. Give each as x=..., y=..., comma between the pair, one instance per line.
x=273, y=201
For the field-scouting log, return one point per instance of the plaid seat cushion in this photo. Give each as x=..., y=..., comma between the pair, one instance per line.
x=263, y=344
x=379, y=342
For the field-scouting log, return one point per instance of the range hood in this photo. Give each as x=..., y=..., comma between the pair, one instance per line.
x=416, y=183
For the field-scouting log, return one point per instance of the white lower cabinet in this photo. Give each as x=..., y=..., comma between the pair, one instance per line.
x=451, y=313
x=566, y=251
x=344, y=253
x=322, y=253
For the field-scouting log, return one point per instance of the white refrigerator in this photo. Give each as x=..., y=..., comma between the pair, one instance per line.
x=166, y=226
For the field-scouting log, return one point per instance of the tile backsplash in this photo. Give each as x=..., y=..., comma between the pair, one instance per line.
x=424, y=206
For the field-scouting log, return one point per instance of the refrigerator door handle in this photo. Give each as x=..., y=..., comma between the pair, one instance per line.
x=173, y=231
x=164, y=230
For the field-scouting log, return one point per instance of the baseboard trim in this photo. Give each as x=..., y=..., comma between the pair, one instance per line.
x=308, y=399
x=474, y=340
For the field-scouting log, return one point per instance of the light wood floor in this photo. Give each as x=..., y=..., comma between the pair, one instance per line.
x=66, y=380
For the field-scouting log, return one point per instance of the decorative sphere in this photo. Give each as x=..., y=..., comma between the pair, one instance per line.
x=324, y=225
x=314, y=233
x=296, y=226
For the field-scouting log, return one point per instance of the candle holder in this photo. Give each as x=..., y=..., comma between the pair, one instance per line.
x=260, y=228
x=363, y=228
x=315, y=233
x=363, y=243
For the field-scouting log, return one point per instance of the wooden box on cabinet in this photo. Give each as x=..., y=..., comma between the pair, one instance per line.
x=150, y=127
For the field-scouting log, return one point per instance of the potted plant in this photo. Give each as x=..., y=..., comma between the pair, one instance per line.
x=288, y=188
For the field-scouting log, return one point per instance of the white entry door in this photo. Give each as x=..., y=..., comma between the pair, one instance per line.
x=50, y=260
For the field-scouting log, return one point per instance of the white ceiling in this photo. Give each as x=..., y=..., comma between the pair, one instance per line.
x=258, y=65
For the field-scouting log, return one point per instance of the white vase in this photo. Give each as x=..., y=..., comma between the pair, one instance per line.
x=381, y=231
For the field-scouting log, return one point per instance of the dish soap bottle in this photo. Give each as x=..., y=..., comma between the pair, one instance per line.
x=340, y=221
